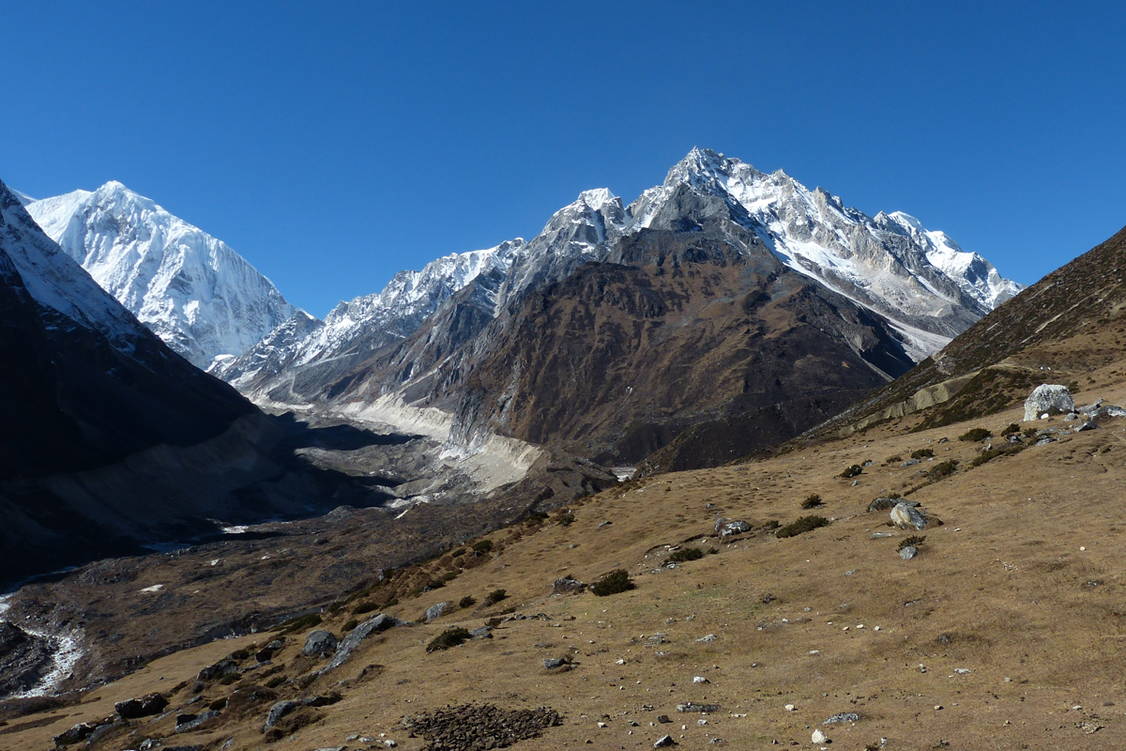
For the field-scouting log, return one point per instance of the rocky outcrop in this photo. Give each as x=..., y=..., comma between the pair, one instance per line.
x=1050, y=399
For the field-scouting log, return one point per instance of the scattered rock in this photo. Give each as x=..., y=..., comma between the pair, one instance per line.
x=707, y=638
x=473, y=727
x=149, y=704
x=567, y=585
x=220, y=670
x=320, y=643
x=819, y=737
x=188, y=722
x=554, y=663
x=374, y=625
x=694, y=707
x=483, y=632
x=1086, y=426
x=282, y=708
x=908, y=552
x=664, y=742
x=1048, y=398
x=727, y=528
x=436, y=611
x=842, y=717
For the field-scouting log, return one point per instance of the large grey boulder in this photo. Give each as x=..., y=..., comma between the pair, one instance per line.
x=320, y=643
x=374, y=625
x=1050, y=398
x=905, y=515
x=727, y=528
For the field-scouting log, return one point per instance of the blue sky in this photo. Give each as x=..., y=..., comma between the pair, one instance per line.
x=333, y=143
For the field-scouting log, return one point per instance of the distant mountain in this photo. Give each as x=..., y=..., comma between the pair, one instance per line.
x=112, y=440
x=191, y=289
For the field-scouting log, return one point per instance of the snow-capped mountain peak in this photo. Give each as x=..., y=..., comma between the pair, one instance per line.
x=191, y=289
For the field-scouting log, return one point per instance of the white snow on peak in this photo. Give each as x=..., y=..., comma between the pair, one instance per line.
x=55, y=281
x=195, y=292
x=597, y=198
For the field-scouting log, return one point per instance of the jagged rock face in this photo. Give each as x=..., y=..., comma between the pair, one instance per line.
x=990, y=364
x=111, y=439
x=191, y=289
x=878, y=293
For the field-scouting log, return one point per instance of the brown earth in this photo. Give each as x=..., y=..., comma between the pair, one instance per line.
x=1022, y=586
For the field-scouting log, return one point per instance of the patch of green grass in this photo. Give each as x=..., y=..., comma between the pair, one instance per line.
x=685, y=554
x=801, y=526
x=451, y=637
x=975, y=434
x=612, y=583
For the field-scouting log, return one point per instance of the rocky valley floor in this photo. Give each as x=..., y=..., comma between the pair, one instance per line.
x=1006, y=631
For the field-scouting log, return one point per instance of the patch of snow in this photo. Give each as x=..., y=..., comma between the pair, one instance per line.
x=153, y=588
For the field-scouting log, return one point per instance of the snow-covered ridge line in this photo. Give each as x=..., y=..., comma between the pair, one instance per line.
x=191, y=289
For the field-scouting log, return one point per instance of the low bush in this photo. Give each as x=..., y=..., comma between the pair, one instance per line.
x=1011, y=428
x=975, y=434
x=914, y=540
x=566, y=518
x=612, y=583
x=451, y=637
x=685, y=554
x=812, y=501
x=301, y=622
x=802, y=525
x=893, y=460
x=922, y=454
x=364, y=607
x=852, y=471
x=467, y=602
x=481, y=547
x=1003, y=450
x=492, y=598
x=943, y=469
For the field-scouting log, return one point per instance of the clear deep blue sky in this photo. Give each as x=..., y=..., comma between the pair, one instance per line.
x=333, y=143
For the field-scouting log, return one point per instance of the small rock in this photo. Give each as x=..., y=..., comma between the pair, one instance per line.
x=436, y=611
x=962, y=671
x=707, y=638
x=694, y=707
x=908, y=552
x=664, y=719
x=553, y=663
x=567, y=585
x=819, y=737
x=905, y=515
x=725, y=528
x=842, y=717
x=700, y=679
x=482, y=632
x=320, y=643
x=790, y=708
x=149, y=704
x=664, y=742
x=1086, y=426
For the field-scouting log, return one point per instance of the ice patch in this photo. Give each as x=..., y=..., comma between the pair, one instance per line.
x=153, y=588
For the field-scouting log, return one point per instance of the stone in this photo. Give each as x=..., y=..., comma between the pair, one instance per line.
x=373, y=625
x=320, y=643
x=819, y=737
x=727, y=528
x=149, y=704
x=908, y=552
x=188, y=722
x=700, y=679
x=842, y=717
x=664, y=719
x=483, y=632
x=905, y=515
x=282, y=708
x=554, y=663
x=567, y=585
x=707, y=638
x=694, y=707
x=1086, y=426
x=436, y=611
x=76, y=734
x=664, y=742
x=1048, y=398
x=218, y=671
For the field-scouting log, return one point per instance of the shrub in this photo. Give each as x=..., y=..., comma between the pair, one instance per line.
x=467, y=602
x=685, y=554
x=943, y=469
x=852, y=471
x=301, y=622
x=1030, y=432
x=451, y=637
x=492, y=598
x=566, y=517
x=922, y=454
x=975, y=434
x=481, y=547
x=458, y=553
x=912, y=540
x=812, y=501
x=612, y=583
x=1011, y=428
x=893, y=460
x=802, y=525
x=1002, y=450
x=364, y=607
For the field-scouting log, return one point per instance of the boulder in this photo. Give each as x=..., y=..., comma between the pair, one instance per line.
x=373, y=625
x=727, y=528
x=188, y=722
x=436, y=611
x=282, y=708
x=144, y=706
x=1048, y=398
x=664, y=742
x=905, y=515
x=320, y=643
x=222, y=669
x=567, y=585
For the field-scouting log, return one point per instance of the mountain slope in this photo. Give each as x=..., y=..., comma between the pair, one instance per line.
x=191, y=289
x=111, y=439
x=1038, y=336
